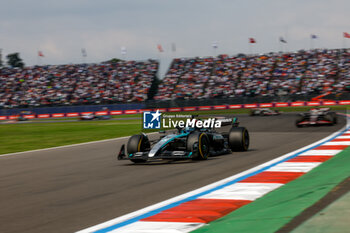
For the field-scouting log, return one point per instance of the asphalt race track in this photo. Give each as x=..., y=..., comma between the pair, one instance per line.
x=69, y=189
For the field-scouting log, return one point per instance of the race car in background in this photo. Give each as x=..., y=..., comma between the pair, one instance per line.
x=87, y=117
x=264, y=112
x=93, y=116
x=317, y=116
x=186, y=143
x=23, y=114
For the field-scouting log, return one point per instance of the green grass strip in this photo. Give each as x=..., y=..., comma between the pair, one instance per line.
x=274, y=210
x=23, y=137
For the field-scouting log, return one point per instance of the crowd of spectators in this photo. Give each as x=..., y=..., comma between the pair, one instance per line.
x=120, y=82
x=186, y=78
x=273, y=74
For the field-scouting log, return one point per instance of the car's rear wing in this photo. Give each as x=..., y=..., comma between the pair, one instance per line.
x=228, y=121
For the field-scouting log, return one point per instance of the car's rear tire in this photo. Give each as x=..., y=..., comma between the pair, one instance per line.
x=137, y=143
x=201, y=140
x=238, y=139
x=330, y=117
x=335, y=117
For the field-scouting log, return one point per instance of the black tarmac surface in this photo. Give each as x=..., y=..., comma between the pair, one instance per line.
x=72, y=188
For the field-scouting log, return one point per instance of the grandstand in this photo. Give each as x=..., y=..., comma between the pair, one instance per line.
x=273, y=74
x=121, y=82
x=268, y=75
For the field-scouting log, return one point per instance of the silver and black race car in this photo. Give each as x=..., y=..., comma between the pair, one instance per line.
x=264, y=112
x=186, y=143
x=317, y=116
x=93, y=116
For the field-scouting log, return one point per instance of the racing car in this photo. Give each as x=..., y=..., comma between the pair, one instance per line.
x=186, y=143
x=92, y=116
x=317, y=116
x=23, y=114
x=264, y=112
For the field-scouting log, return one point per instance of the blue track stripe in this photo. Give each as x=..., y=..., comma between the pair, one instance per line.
x=156, y=211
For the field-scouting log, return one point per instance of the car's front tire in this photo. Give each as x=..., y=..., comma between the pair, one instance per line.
x=137, y=143
x=331, y=117
x=198, y=142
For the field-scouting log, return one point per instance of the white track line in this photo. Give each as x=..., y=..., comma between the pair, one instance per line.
x=294, y=167
x=321, y=152
x=337, y=143
x=344, y=137
x=159, y=227
x=242, y=191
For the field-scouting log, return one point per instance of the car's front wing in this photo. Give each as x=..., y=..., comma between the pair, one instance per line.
x=176, y=155
x=319, y=122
